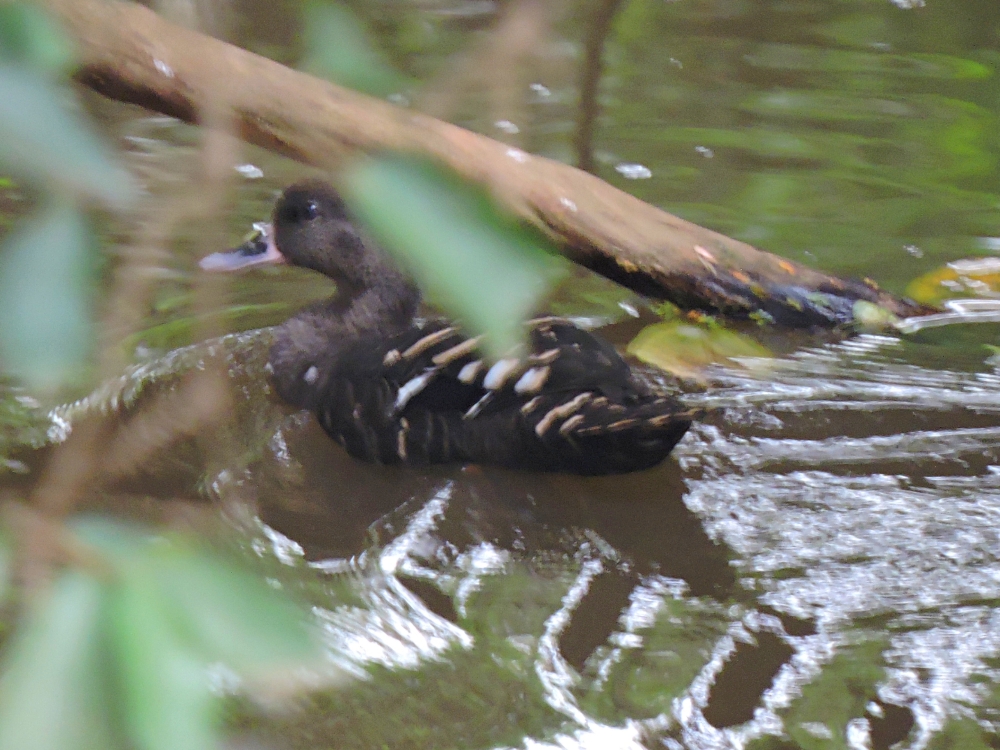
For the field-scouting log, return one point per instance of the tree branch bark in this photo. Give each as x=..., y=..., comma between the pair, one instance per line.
x=129, y=53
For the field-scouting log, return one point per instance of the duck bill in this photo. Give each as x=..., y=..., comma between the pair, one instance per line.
x=258, y=249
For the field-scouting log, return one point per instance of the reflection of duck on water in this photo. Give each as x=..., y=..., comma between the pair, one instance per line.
x=392, y=390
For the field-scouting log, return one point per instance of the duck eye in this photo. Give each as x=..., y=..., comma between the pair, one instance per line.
x=310, y=210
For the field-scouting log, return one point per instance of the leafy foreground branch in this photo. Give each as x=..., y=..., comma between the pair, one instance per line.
x=120, y=651
x=129, y=53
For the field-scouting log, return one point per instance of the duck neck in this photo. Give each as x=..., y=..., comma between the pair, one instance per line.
x=307, y=348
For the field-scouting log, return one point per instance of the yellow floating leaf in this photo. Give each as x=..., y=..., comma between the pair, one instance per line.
x=973, y=277
x=685, y=349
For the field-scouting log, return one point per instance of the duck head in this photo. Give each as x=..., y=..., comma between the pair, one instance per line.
x=311, y=228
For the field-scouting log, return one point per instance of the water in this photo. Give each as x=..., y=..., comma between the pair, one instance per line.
x=819, y=563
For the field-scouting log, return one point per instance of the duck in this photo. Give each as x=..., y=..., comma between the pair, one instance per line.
x=394, y=387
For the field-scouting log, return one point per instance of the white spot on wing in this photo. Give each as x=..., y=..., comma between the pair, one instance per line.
x=478, y=406
x=704, y=253
x=532, y=380
x=559, y=412
x=544, y=358
x=530, y=406
x=427, y=342
x=404, y=427
x=311, y=375
x=468, y=373
x=412, y=387
x=570, y=423
x=499, y=373
x=456, y=352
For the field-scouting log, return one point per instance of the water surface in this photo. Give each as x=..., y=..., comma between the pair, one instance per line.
x=818, y=565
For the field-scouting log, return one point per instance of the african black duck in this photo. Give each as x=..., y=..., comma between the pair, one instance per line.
x=394, y=388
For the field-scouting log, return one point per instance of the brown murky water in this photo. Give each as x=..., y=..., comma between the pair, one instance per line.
x=819, y=563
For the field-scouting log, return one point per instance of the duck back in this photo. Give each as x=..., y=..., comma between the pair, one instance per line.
x=427, y=396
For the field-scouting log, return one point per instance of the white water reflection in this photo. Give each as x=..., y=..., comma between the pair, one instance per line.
x=958, y=311
x=838, y=529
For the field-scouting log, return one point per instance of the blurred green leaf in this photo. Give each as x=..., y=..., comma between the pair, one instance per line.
x=164, y=686
x=684, y=349
x=5, y=567
x=219, y=611
x=480, y=265
x=45, y=296
x=53, y=691
x=230, y=615
x=29, y=37
x=45, y=141
x=338, y=48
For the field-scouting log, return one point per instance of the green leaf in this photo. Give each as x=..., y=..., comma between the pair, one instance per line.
x=338, y=48
x=5, y=567
x=230, y=615
x=29, y=37
x=165, y=695
x=46, y=142
x=45, y=296
x=53, y=692
x=485, y=269
x=220, y=612
x=684, y=349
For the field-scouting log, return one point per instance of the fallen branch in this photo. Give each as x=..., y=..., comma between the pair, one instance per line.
x=131, y=54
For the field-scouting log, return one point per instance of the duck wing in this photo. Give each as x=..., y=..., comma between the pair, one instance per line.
x=428, y=396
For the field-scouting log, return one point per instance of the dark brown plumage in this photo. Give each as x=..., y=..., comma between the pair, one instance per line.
x=393, y=389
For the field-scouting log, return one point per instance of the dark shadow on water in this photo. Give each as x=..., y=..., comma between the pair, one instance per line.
x=747, y=674
x=336, y=506
x=328, y=502
x=596, y=617
x=892, y=726
x=637, y=524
